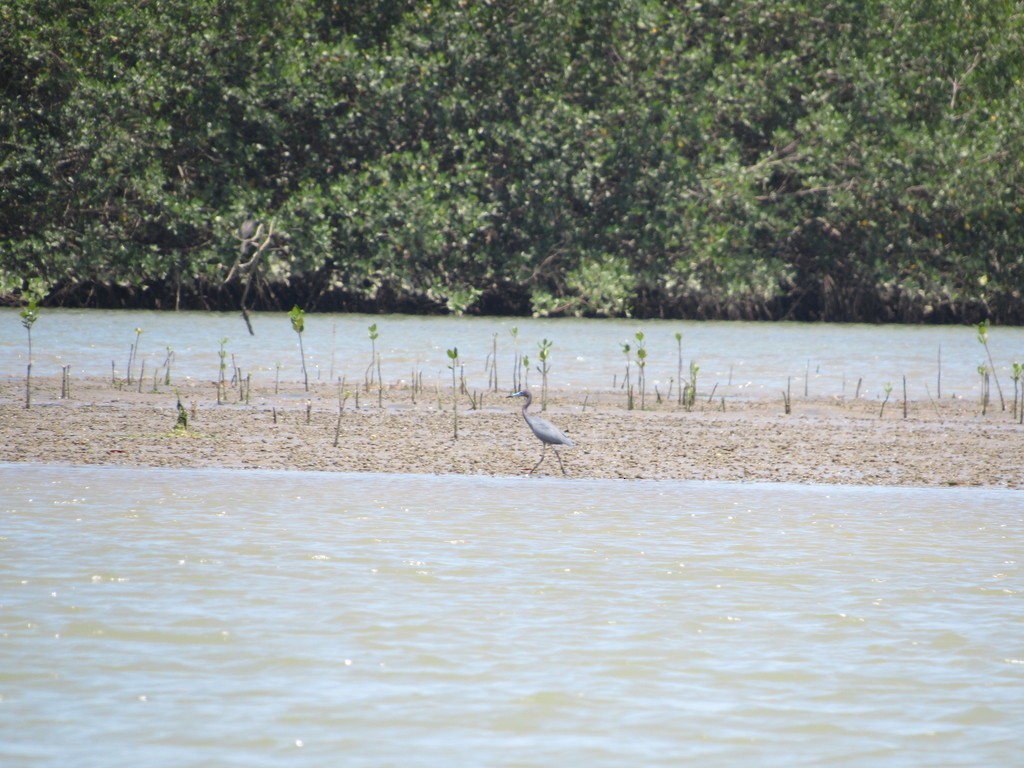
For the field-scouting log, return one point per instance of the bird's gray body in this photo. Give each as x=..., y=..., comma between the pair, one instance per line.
x=545, y=431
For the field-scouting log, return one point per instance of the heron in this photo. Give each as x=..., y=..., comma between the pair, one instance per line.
x=545, y=431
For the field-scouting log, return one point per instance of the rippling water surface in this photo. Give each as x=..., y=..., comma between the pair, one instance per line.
x=164, y=617
x=742, y=359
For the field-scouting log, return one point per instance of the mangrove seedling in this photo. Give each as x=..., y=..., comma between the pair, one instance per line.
x=374, y=335
x=935, y=406
x=641, y=363
x=544, y=353
x=1018, y=369
x=133, y=353
x=453, y=355
x=517, y=361
x=626, y=349
x=29, y=315
x=888, y=391
x=244, y=386
x=491, y=364
x=983, y=340
x=375, y=361
x=343, y=395
x=221, y=378
x=691, y=387
x=167, y=366
x=181, y=425
x=416, y=384
x=298, y=319
x=983, y=371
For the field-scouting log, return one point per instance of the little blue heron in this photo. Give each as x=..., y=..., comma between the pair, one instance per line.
x=545, y=431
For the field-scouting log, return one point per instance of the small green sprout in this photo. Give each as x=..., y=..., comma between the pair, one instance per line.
x=132, y=354
x=887, y=387
x=374, y=335
x=29, y=315
x=298, y=320
x=1018, y=370
x=641, y=362
x=453, y=355
x=544, y=353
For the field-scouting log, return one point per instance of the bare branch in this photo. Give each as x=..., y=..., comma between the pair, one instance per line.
x=958, y=82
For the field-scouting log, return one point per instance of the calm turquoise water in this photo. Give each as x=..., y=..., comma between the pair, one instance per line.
x=755, y=359
x=169, y=618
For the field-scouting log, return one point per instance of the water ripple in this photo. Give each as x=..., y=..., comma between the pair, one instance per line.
x=180, y=617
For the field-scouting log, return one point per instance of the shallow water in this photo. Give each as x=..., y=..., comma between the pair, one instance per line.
x=165, y=617
x=742, y=359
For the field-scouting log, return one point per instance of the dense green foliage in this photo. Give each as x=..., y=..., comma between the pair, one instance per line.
x=729, y=158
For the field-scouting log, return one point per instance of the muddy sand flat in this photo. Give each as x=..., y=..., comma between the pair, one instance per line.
x=949, y=443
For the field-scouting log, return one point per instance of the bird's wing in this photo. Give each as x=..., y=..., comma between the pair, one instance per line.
x=548, y=432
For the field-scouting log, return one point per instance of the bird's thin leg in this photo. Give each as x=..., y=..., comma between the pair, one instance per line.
x=559, y=457
x=542, y=452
